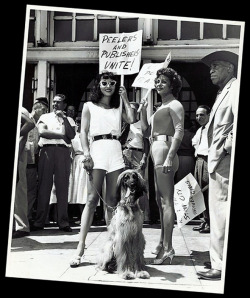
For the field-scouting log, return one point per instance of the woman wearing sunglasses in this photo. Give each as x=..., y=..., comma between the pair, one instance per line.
x=166, y=130
x=101, y=122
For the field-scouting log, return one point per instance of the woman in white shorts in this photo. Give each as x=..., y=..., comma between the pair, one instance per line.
x=101, y=122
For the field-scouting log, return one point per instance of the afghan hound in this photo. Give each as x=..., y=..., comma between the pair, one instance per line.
x=124, y=250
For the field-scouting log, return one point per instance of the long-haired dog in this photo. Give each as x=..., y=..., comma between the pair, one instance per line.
x=124, y=250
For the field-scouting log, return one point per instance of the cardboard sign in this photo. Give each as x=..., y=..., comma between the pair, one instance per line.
x=147, y=74
x=120, y=53
x=188, y=200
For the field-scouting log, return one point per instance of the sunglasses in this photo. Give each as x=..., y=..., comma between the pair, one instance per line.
x=159, y=81
x=104, y=83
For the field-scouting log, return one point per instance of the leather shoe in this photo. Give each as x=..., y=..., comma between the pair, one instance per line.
x=207, y=265
x=212, y=274
x=201, y=226
x=66, y=229
x=20, y=234
x=205, y=230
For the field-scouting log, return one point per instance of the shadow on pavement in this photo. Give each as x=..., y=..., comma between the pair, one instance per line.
x=26, y=244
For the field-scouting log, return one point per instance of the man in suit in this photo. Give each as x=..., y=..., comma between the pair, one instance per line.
x=223, y=68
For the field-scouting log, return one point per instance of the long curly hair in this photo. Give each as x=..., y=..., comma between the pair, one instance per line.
x=175, y=79
x=96, y=93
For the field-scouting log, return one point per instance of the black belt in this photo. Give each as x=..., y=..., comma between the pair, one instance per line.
x=204, y=157
x=105, y=137
x=55, y=145
x=136, y=149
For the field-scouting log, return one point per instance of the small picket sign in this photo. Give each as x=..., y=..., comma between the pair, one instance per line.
x=188, y=200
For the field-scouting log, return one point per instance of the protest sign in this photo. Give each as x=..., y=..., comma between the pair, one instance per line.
x=120, y=53
x=145, y=78
x=147, y=74
x=188, y=200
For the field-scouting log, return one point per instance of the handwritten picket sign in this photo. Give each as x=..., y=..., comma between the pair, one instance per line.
x=188, y=200
x=120, y=53
x=146, y=76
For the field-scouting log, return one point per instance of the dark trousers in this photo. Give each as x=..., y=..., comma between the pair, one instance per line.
x=202, y=177
x=53, y=162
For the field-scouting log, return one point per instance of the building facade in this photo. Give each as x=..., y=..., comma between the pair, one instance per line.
x=63, y=53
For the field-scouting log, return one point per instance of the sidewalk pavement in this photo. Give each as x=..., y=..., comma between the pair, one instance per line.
x=45, y=255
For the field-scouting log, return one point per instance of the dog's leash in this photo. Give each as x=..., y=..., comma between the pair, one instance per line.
x=92, y=183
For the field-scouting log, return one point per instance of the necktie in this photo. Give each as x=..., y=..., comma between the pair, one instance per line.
x=201, y=133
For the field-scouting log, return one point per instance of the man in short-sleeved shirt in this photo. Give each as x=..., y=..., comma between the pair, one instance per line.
x=56, y=131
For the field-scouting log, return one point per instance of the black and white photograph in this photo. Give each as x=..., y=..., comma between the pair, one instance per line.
x=124, y=150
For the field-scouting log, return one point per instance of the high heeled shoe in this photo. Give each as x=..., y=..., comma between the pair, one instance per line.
x=157, y=249
x=170, y=254
x=75, y=262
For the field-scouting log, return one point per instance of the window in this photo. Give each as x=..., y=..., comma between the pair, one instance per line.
x=233, y=31
x=190, y=30
x=128, y=25
x=106, y=24
x=84, y=27
x=212, y=30
x=78, y=27
x=167, y=29
x=31, y=33
x=63, y=26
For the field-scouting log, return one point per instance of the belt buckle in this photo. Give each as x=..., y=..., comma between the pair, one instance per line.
x=104, y=137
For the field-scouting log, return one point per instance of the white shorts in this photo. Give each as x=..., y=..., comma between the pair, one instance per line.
x=107, y=155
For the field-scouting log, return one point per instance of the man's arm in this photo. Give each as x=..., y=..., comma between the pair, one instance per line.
x=146, y=148
x=27, y=125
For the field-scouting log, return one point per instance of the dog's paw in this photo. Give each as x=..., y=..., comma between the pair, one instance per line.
x=143, y=274
x=128, y=275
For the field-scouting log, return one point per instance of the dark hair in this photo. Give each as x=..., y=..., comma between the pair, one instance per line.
x=96, y=94
x=175, y=79
x=207, y=108
x=62, y=96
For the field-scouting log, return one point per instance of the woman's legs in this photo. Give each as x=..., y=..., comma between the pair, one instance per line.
x=89, y=209
x=111, y=200
x=165, y=188
x=158, y=201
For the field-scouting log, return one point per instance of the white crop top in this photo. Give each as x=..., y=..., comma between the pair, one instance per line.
x=104, y=121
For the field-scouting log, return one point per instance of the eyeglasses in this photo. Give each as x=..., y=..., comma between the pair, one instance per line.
x=104, y=83
x=159, y=81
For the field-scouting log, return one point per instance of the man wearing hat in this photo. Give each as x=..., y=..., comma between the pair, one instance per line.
x=56, y=131
x=223, y=67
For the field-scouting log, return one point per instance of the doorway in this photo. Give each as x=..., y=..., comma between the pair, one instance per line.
x=73, y=80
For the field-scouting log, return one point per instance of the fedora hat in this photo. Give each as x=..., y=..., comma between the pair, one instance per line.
x=221, y=56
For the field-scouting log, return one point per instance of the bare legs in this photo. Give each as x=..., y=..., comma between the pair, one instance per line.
x=93, y=197
x=111, y=200
x=164, y=196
